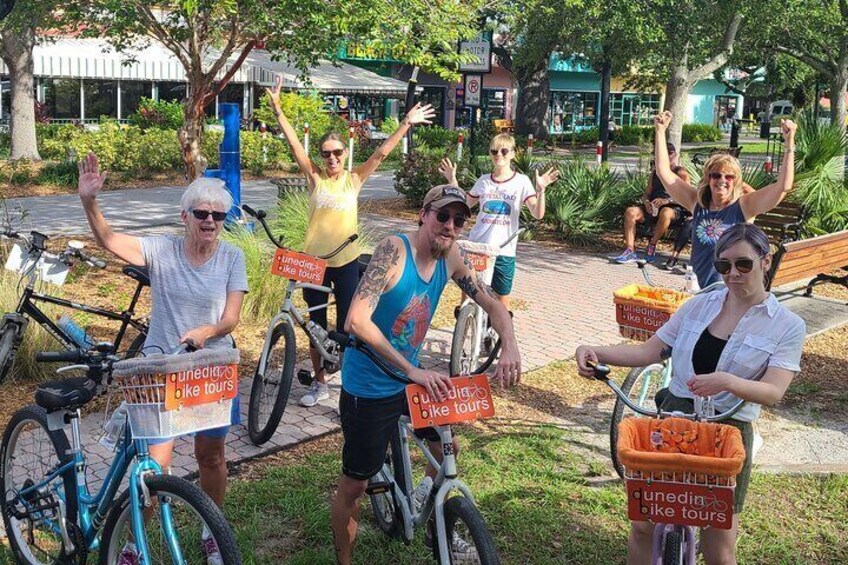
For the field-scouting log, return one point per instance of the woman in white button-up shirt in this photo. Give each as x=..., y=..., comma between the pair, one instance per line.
x=738, y=342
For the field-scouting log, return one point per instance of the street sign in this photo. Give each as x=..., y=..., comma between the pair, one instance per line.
x=473, y=89
x=481, y=49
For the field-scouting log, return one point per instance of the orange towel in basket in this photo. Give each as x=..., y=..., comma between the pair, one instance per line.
x=677, y=445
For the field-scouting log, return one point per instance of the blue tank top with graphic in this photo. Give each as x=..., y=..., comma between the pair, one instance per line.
x=403, y=314
x=707, y=228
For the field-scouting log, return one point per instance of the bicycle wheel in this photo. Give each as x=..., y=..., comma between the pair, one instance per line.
x=469, y=540
x=270, y=391
x=191, y=511
x=384, y=507
x=30, y=451
x=673, y=548
x=8, y=335
x=137, y=345
x=640, y=386
x=463, y=361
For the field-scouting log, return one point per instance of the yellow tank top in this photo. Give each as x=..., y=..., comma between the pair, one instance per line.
x=332, y=219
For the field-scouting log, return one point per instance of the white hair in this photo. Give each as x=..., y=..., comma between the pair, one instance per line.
x=205, y=189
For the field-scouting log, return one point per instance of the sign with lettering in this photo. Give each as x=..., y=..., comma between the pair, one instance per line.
x=678, y=503
x=473, y=89
x=298, y=267
x=480, y=48
x=469, y=399
x=203, y=385
x=478, y=261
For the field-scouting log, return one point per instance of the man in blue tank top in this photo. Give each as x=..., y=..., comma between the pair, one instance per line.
x=391, y=312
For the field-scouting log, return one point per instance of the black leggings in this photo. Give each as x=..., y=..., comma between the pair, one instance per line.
x=684, y=236
x=343, y=281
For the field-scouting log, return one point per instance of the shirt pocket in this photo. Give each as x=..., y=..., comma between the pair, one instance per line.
x=754, y=352
x=684, y=345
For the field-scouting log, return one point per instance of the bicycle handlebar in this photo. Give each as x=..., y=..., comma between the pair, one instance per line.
x=261, y=215
x=601, y=373
x=91, y=260
x=513, y=236
x=73, y=356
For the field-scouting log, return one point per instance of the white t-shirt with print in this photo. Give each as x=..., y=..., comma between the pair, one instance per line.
x=500, y=209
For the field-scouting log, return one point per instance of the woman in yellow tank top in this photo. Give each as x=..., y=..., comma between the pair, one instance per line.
x=333, y=202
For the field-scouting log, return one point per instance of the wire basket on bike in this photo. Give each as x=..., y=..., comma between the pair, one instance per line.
x=481, y=256
x=641, y=310
x=679, y=471
x=171, y=395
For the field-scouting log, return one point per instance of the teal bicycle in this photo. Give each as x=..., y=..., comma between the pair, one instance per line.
x=49, y=513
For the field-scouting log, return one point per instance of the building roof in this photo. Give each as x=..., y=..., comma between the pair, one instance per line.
x=95, y=58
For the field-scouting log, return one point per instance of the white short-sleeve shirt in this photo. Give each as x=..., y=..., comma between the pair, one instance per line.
x=768, y=335
x=500, y=209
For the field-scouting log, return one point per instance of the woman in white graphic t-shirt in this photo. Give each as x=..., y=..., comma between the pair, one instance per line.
x=501, y=194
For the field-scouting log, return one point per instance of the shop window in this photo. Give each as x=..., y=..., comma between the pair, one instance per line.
x=573, y=111
x=634, y=109
x=5, y=97
x=494, y=104
x=101, y=99
x=173, y=91
x=132, y=92
x=62, y=98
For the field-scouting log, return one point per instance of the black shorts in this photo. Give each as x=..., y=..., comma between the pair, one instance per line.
x=679, y=214
x=367, y=426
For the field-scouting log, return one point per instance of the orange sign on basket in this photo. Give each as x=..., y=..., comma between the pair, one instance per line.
x=469, y=399
x=677, y=503
x=203, y=385
x=478, y=261
x=299, y=267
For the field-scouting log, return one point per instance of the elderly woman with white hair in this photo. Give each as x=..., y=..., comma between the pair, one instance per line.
x=197, y=285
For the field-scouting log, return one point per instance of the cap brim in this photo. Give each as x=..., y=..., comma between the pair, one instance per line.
x=442, y=202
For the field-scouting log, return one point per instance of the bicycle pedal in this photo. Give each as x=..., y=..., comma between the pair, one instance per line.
x=304, y=376
x=378, y=487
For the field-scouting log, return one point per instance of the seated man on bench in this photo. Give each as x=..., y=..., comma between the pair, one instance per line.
x=656, y=207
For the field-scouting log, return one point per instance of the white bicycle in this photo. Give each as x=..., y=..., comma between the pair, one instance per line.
x=473, y=335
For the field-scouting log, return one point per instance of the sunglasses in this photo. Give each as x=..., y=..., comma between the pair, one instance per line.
x=335, y=152
x=503, y=151
x=442, y=216
x=203, y=214
x=744, y=265
x=718, y=176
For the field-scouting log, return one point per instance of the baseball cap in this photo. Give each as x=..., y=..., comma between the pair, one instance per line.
x=444, y=194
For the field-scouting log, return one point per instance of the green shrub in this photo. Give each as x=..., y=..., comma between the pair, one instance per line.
x=157, y=114
x=389, y=125
x=633, y=135
x=436, y=137
x=418, y=173
x=694, y=133
x=17, y=172
x=5, y=145
x=259, y=152
x=266, y=290
x=63, y=173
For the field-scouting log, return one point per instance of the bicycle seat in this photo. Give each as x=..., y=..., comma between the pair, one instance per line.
x=65, y=394
x=138, y=273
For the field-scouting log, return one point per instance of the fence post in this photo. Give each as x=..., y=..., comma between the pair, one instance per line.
x=599, y=152
x=530, y=145
x=459, y=141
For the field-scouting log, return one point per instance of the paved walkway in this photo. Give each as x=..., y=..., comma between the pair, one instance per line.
x=568, y=302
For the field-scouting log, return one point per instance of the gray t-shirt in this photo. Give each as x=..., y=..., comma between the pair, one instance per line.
x=185, y=297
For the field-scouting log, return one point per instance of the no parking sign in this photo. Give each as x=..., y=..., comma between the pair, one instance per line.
x=473, y=88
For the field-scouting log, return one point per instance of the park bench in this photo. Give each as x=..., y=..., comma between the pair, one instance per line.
x=784, y=222
x=288, y=185
x=814, y=258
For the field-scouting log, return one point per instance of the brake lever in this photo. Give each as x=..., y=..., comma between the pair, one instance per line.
x=67, y=368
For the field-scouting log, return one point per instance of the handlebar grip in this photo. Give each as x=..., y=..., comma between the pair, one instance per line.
x=601, y=372
x=74, y=356
x=99, y=263
x=342, y=339
x=258, y=214
x=354, y=237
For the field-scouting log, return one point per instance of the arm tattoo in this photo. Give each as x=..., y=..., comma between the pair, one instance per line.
x=464, y=255
x=374, y=280
x=665, y=353
x=466, y=284
x=484, y=287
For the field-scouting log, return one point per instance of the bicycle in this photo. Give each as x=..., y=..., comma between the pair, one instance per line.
x=472, y=329
x=391, y=491
x=273, y=379
x=704, y=496
x=49, y=512
x=34, y=262
x=641, y=383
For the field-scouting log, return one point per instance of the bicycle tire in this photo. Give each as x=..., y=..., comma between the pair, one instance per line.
x=261, y=394
x=136, y=346
x=464, y=334
x=170, y=487
x=33, y=415
x=8, y=336
x=384, y=507
x=461, y=509
x=673, y=548
x=655, y=371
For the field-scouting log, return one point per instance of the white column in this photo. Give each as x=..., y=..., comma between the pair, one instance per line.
x=154, y=91
x=216, y=107
x=119, y=99
x=246, y=100
x=82, y=102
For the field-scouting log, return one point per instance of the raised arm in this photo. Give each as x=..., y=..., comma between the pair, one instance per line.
x=536, y=202
x=681, y=191
x=508, y=370
x=126, y=247
x=417, y=115
x=762, y=200
x=300, y=156
x=384, y=270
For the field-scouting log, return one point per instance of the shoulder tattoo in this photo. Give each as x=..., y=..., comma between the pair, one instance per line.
x=376, y=276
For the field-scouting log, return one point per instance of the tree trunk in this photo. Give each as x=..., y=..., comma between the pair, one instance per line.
x=838, y=85
x=676, y=94
x=17, y=47
x=534, y=93
x=606, y=80
x=191, y=134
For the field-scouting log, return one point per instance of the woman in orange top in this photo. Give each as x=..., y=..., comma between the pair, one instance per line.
x=333, y=196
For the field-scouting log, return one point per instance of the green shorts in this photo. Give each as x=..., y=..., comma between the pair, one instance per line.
x=503, y=275
x=670, y=403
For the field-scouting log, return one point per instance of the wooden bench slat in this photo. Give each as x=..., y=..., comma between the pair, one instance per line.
x=841, y=236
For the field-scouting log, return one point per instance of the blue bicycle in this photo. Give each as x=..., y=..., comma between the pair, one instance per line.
x=49, y=513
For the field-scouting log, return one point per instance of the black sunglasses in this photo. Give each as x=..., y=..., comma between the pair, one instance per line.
x=743, y=265
x=203, y=214
x=503, y=150
x=335, y=152
x=442, y=216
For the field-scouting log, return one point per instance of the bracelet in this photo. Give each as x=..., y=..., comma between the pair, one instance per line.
x=789, y=149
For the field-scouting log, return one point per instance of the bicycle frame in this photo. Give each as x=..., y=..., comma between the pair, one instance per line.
x=93, y=509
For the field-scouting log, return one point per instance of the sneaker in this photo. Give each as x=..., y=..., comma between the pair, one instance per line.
x=461, y=550
x=209, y=548
x=420, y=494
x=317, y=392
x=669, y=265
x=679, y=269
x=650, y=253
x=626, y=256
x=128, y=555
